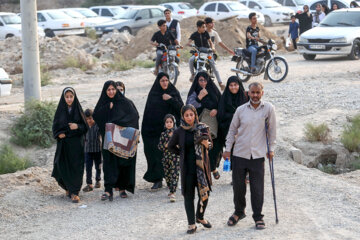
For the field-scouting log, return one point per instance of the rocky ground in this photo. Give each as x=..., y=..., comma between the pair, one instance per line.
x=311, y=204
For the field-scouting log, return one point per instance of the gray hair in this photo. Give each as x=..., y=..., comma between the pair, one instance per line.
x=256, y=84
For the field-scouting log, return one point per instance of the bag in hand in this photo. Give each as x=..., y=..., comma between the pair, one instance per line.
x=121, y=141
x=210, y=121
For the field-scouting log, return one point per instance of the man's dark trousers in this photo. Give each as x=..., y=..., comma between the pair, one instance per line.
x=255, y=167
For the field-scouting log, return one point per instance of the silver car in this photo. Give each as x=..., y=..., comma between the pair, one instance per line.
x=132, y=20
x=337, y=34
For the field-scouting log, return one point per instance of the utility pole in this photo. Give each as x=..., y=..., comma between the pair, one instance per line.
x=30, y=50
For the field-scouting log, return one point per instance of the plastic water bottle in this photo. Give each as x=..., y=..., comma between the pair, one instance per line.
x=226, y=165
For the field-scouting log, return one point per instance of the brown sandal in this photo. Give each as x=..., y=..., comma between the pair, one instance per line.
x=75, y=198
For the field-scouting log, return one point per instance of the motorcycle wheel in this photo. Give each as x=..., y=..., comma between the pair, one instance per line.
x=242, y=77
x=277, y=69
x=173, y=72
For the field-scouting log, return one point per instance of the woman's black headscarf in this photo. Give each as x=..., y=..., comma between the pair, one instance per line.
x=230, y=102
x=120, y=84
x=123, y=112
x=156, y=108
x=63, y=117
x=211, y=100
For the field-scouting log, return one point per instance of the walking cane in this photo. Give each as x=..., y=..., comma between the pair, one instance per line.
x=271, y=167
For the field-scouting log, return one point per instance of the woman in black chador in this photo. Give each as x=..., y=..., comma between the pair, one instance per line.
x=113, y=107
x=69, y=128
x=233, y=96
x=192, y=141
x=163, y=99
x=204, y=94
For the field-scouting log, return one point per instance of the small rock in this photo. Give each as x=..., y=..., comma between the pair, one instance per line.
x=296, y=155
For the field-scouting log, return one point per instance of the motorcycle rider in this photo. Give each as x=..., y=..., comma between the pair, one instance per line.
x=164, y=37
x=201, y=38
x=252, y=39
x=215, y=38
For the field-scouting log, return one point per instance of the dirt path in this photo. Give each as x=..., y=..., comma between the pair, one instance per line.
x=312, y=204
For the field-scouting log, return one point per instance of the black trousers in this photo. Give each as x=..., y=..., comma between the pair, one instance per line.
x=255, y=168
x=90, y=159
x=189, y=196
x=294, y=43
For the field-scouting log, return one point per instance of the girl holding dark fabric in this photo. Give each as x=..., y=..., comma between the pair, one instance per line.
x=192, y=141
x=69, y=127
x=163, y=99
x=113, y=107
x=233, y=96
x=121, y=87
x=170, y=160
x=204, y=94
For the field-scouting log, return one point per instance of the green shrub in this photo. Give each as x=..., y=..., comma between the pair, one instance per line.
x=10, y=162
x=91, y=33
x=78, y=62
x=317, y=133
x=34, y=127
x=120, y=64
x=355, y=165
x=145, y=63
x=45, y=76
x=351, y=135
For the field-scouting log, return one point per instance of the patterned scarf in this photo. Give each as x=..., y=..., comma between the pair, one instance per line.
x=201, y=132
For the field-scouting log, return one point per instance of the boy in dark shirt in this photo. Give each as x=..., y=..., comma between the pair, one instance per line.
x=252, y=39
x=164, y=37
x=294, y=31
x=92, y=152
x=201, y=38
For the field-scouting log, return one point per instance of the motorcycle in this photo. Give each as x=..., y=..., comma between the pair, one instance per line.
x=274, y=67
x=169, y=65
x=202, y=57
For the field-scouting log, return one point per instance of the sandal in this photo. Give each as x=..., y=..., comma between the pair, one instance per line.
x=107, y=196
x=123, y=194
x=75, y=198
x=234, y=221
x=206, y=225
x=88, y=188
x=191, y=230
x=97, y=184
x=216, y=175
x=260, y=225
x=172, y=197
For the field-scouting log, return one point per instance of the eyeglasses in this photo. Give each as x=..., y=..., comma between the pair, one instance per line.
x=202, y=80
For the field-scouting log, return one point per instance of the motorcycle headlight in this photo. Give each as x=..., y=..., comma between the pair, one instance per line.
x=172, y=52
x=303, y=40
x=338, y=40
x=274, y=47
x=203, y=55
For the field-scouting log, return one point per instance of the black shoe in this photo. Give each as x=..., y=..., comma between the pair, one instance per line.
x=206, y=225
x=105, y=197
x=157, y=185
x=191, y=231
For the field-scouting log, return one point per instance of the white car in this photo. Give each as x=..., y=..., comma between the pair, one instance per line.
x=108, y=11
x=10, y=26
x=55, y=22
x=89, y=17
x=224, y=9
x=295, y=5
x=273, y=11
x=337, y=34
x=180, y=10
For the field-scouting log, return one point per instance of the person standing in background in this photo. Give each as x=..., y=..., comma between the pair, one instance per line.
x=305, y=19
x=293, y=31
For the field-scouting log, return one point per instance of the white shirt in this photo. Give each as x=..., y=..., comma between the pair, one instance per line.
x=248, y=125
x=215, y=38
x=178, y=30
x=321, y=17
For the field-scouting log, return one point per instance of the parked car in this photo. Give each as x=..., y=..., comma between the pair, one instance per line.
x=341, y=4
x=108, y=11
x=90, y=18
x=133, y=19
x=337, y=34
x=10, y=26
x=294, y=5
x=55, y=22
x=180, y=10
x=224, y=9
x=273, y=11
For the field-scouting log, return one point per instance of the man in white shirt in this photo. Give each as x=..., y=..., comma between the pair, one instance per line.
x=215, y=38
x=247, y=141
x=173, y=26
